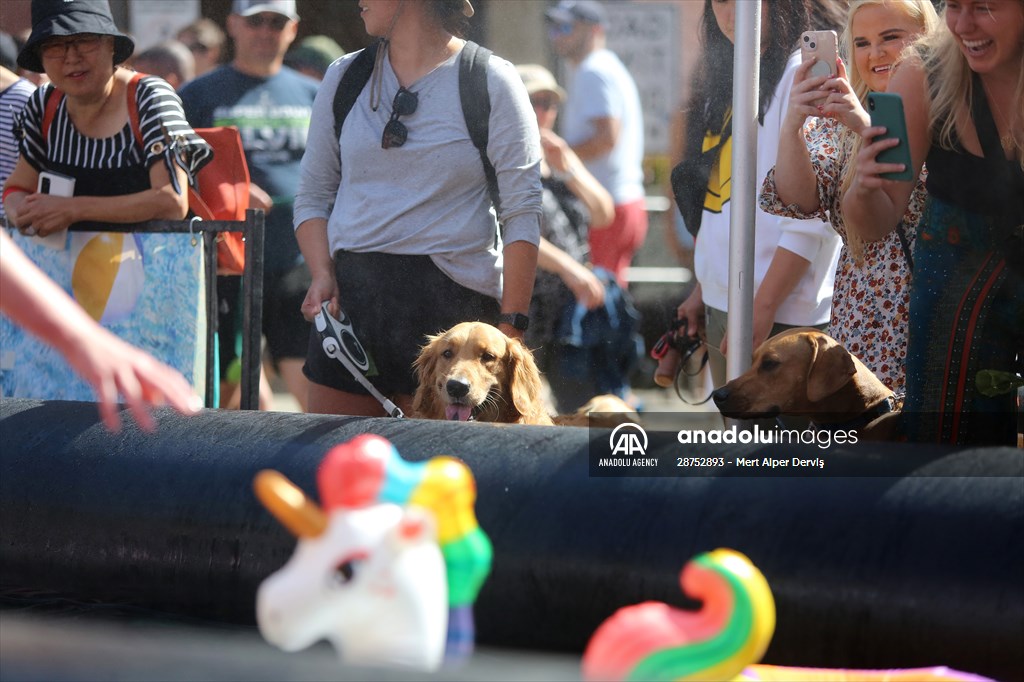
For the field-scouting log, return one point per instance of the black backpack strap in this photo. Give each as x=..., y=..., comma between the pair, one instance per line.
x=352, y=83
x=476, y=108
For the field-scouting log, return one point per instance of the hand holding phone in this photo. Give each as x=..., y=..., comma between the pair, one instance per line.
x=822, y=46
x=886, y=110
x=56, y=185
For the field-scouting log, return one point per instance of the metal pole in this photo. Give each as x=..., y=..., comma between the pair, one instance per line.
x=746, y=64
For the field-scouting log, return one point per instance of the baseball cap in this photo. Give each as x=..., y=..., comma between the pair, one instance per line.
x=538, y=79
x=571, y=11
x=247, y=8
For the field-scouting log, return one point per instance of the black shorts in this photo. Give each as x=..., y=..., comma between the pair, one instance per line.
x=394, y=302
x=285, y=329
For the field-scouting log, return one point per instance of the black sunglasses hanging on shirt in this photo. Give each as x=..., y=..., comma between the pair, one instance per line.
x=395, y=132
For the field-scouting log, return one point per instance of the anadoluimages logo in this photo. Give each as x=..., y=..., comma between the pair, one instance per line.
x=628, y=439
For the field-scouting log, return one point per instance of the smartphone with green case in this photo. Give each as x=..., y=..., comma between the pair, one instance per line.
x=886, y=110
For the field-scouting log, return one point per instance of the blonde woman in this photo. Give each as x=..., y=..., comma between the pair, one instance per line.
x=964, y=102
x=870, y=308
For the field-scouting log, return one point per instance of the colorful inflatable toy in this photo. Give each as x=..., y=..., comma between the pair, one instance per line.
x=388, y=569
x=724, y=640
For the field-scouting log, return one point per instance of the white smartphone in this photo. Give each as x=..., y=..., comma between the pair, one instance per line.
x=824, y=46
x=56, y=184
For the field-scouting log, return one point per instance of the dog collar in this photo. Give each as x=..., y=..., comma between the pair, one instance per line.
x=863, y=419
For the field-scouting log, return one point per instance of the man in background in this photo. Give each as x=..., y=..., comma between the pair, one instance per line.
x=205, y=40
x=270, y=105
x=603, y=123
x=169, y=60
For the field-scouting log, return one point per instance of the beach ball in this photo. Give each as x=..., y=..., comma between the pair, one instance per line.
x=107, y=274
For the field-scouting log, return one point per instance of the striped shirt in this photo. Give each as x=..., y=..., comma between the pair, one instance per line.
x=161, y=118
x=12, y=101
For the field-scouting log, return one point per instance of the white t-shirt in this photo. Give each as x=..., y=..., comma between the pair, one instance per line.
x=601, y=87
x=811, y=300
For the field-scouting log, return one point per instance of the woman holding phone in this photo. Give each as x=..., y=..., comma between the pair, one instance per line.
x=962, y=94
x=794, y=260
x=870, y=302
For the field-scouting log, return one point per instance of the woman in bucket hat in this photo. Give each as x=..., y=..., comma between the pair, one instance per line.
x=79, y=126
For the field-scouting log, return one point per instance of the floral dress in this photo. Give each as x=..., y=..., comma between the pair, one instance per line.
x=870, y=303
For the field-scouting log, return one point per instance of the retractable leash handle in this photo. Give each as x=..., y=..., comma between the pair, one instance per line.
x=340, y=343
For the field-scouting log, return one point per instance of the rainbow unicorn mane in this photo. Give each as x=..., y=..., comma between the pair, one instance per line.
x=653, y=641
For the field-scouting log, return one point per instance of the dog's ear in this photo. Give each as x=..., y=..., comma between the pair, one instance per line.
x=831, y=367
x=524, y=384
x=424, y=403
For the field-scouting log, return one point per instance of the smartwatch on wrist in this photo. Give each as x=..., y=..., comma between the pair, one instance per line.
x=516, y=320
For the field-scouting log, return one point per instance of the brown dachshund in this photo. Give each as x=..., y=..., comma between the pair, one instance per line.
x=474, y=372
x=806, y=372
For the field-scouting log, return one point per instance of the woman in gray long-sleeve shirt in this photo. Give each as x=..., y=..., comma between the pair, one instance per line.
x=400, y=234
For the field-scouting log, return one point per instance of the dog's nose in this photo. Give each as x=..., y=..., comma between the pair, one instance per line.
x=720, y=395
x=457, y=388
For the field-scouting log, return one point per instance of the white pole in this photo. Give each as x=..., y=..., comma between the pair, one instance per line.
x=746, y=65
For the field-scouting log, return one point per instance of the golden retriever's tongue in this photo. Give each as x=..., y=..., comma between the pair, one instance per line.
x=459, y=413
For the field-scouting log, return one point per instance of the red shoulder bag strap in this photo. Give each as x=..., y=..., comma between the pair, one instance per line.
x=50, y=110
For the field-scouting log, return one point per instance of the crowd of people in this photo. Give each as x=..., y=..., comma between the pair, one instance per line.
x=415, y=209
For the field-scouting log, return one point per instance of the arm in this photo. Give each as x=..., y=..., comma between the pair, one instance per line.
x=513, y=147
x=109, y=364
x=47, y=214
x=873, y=206
x=691, y=311
x=795, y=181
x=312, y=238
x=606, y=134
x=583, y=283
x=318, y=186
x=520, y=269
x=578, y=179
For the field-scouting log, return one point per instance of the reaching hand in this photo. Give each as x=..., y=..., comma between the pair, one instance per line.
x=114, y=367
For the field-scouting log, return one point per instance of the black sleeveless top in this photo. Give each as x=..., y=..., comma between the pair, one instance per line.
x=989, y=185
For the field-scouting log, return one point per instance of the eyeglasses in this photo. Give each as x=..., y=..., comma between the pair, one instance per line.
x=544, y=102
x=276, y=22
x=87, y=43
x=558, y=29
x=395, y=132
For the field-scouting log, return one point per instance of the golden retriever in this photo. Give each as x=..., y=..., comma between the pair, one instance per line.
x=474, y=372
x=807, y=372
x=603, y=411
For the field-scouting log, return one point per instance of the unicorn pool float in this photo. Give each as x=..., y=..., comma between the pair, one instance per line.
x=724, y=640
x=388, y=569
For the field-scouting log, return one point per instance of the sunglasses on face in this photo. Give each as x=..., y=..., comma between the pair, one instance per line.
x=277, y=22
x=395, y=132
x=84, y=44
x=544, y=102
